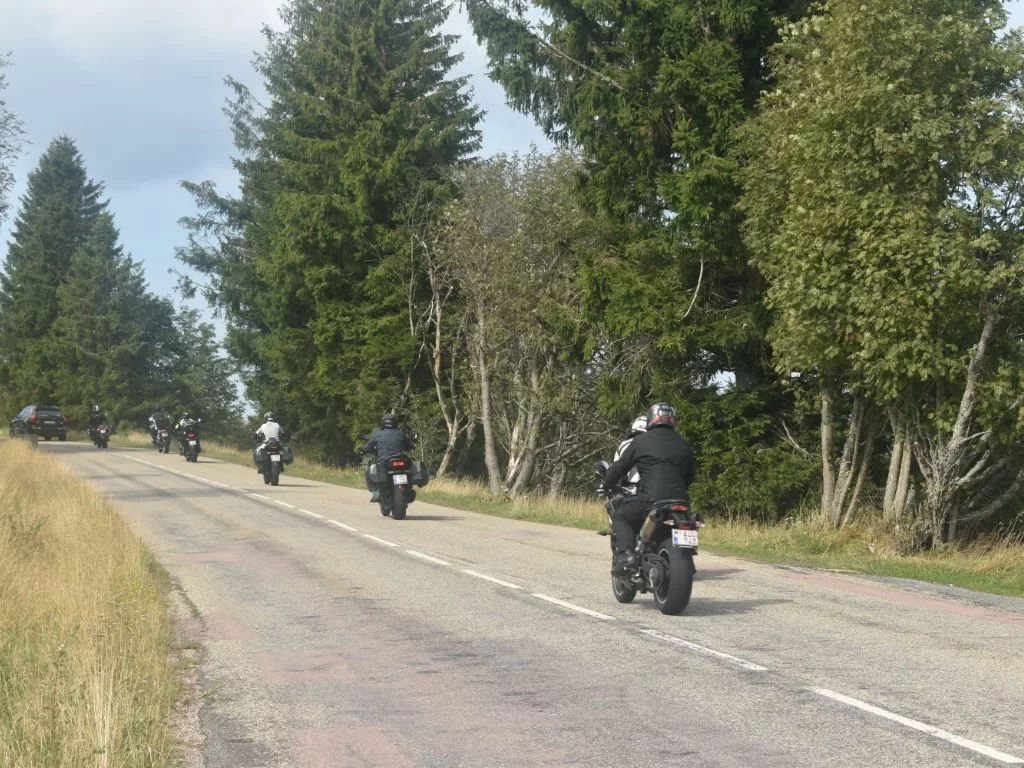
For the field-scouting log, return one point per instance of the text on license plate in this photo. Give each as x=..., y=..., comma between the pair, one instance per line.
x=275, y=457
x=191, y=442
x=401, y=479
x=684, y=538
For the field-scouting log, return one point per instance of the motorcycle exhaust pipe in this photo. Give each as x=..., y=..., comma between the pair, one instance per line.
x=647, y=531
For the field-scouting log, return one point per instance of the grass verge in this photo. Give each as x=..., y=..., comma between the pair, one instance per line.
x=86, y=677
x=995, y=566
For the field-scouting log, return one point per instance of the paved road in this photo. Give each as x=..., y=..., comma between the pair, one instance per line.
x=335, y=637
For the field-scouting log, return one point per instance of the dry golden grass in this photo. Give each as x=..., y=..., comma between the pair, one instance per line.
x=86, y=677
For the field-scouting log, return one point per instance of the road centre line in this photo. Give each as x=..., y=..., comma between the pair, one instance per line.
x=577, y=608
x=491, y=579
x=311, y=514
x=261, y=496
x=284, y=504
x=701, y=649
x=342, y=525
x=974, y=746
x=428, y=558
x=222, y=485
x=382, y=541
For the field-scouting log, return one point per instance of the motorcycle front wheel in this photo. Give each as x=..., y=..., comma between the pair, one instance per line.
x=673, y=588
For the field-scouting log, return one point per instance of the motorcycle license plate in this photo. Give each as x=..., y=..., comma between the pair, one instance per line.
x=275, y=457
x=684, y=538
x=191, y=442
x=401, y=479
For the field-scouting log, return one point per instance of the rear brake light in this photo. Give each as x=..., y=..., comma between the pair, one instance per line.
x=679, y=508
x=398, y=463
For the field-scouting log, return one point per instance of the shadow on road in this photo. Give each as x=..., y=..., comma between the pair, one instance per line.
x=177, y=493
x=437, y=518
x=708, y=574
x=710, y=607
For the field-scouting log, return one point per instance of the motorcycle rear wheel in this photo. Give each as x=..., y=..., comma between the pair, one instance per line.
x=399, y=506
x=672, y=593
x=275, y=474
x=266, y=476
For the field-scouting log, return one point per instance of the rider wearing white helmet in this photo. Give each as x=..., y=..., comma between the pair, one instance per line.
x=638, y=427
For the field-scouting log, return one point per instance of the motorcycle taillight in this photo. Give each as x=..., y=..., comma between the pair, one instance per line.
x=397, y=463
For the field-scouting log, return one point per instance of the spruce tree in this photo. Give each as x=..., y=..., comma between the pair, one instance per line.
x=363, y=122
x=10, y=144
x=57, y=216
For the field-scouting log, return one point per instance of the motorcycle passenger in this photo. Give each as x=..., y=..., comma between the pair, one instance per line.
x=638, y=427
x=158, y=420
x=181, y=429
x=387, y=442
x=667, y=468
x=267, y=431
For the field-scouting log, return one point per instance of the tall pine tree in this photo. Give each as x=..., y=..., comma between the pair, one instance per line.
x=10, y=143
x=58, y=213
x=311, y=265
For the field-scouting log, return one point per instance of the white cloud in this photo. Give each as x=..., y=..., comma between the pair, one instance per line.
x=95, y=30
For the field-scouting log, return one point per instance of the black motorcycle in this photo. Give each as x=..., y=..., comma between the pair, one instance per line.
x=191, y=446
x=395, y=478
x=271, y=458
x=101, y=435
x=665, y=548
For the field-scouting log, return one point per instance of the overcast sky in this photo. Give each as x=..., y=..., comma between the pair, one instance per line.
x=139, y=86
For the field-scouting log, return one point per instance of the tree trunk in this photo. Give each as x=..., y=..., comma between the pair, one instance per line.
x=827, y=450
x=839, y=493
x=534, y=420
x=895, y=460
x=483, y=376
x=454, y=427
x=865, y=467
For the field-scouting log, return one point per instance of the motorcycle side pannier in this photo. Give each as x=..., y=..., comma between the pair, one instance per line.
x=420, y=474
x=373, y=476
x=287, y=455
x=259, y=455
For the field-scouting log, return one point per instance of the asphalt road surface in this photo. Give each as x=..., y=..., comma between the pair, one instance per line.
x=336, y=637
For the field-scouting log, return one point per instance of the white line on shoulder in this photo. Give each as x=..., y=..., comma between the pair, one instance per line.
x=931, y=730
x=381, y=541
x=577, y=608
x=311, y=514
x=342, y=525
x=701, y=649
x=428, y=558
x=491, y=579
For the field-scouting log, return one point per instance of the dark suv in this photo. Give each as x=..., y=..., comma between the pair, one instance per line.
x=44, y=420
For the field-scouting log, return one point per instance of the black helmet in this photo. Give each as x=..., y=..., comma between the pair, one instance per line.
x=661, y=415
x=389, y=421
x=270, y=416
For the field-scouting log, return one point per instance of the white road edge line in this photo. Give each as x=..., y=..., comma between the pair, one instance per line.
x=981, y=749
x=491, y=579
x=312, y=514
x=381, y=541
x=701, y=649
x=342, y=525
x=285, y=504
x=577, y=608
x=428, y=558
x=261, y=496
x=222, y=485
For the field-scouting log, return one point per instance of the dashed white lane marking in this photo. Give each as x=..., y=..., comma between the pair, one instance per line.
x=701, y=649
x=428, y=558
x=974, y=746
x=222, y=485
x=261, y=496
x=311, y=514
x=342, y=525
x=284, y=504
x=577, y=608
x=491, y=579
x=380, y=541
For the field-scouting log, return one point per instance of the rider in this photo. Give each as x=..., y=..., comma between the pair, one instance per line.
x=666, y=465
x=184, y=424
x=97, y=418
x=387, y=442
x=638, y=427
x=268, y=430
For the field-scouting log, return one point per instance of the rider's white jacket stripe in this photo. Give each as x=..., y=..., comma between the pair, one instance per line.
x=633, y=478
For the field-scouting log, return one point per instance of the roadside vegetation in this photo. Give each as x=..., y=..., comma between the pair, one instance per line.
x=86, y=677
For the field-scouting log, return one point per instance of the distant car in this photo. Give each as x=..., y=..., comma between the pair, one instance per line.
x=47, y=421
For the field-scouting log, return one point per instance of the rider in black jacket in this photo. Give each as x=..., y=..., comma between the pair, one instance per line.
x=666, y=465
x=387, y=442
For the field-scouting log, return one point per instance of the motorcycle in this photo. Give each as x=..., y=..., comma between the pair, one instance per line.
x=271, y=458
x=163, y=440
x=665, y=548
x=101, y=435
x=395, y=479
x=190, y=445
